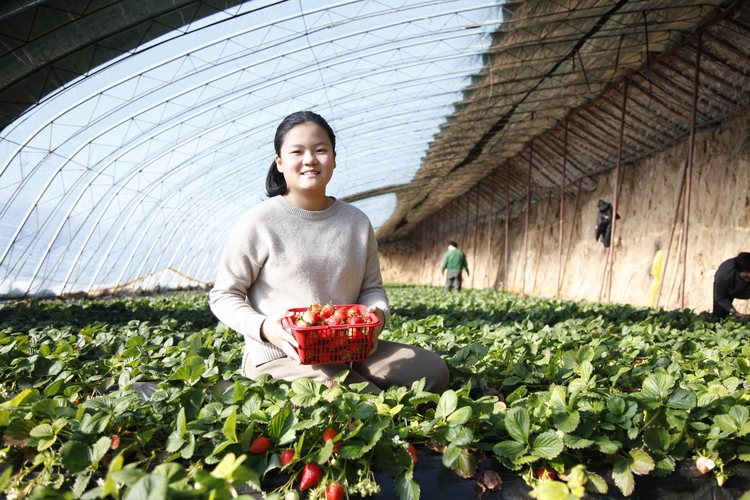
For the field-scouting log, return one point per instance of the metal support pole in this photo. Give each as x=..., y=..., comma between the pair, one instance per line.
x=476, y=241
x=490, y=231
x=465, y=241
x=541, y=242
x=572, y=227
x=562, y=212
x=526, y=221
x=677, y=203
x=688, y=178
x=611, y=255
x=507, y=233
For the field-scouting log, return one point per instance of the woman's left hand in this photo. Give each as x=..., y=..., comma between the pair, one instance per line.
x=378, y=329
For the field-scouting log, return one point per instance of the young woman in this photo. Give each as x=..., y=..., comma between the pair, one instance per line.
x=302, y=247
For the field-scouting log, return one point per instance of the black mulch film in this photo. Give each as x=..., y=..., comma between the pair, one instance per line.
x=686, y=483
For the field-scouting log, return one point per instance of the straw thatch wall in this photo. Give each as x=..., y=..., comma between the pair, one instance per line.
x=719, y=225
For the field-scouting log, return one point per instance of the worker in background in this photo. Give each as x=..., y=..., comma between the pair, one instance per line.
x=732, y=281
x=455, y=262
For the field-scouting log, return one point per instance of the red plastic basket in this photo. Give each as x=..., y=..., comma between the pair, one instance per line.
x=334, y=344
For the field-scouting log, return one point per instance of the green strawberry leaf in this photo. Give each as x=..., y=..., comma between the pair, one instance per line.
x=575, y=442
x=307, y=392
x=565, y=420
x=74, y=456
x=658, y=385
x=552, y=490
x=664, y=466
x=681, y=399
x=640, y=462
x=605, y=445
x=656, y=439
x=386, y=460
x=510, y=449
x=466, y=463
x=596, y=483
x=230, y=426
x=99, y=449
x=451, y=454
x=447, y=405
x=547, y=445
x=460, y=436
x=406, y=487
x=623, y=477
x=281, y=428
x=518, y=424
x=460, y=416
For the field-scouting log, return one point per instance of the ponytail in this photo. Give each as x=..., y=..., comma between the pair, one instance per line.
x=275, y=182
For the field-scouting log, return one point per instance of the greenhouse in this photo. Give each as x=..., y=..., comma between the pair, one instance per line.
x=506, y=240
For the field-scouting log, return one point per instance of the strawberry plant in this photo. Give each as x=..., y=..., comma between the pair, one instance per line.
x=568, y=395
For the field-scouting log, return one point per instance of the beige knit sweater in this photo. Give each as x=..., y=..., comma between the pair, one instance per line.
x=279, y=256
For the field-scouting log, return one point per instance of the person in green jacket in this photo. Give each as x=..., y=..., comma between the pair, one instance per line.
x=455, y=262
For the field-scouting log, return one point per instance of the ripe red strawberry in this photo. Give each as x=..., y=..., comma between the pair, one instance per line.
x=354, y=320
x=115, y=442
x=325, y=334
x=260, y=445
x=343, y=311
x=327, y=311
x=335, y=492
x=333, y=320
x=328, y=435
x=546, y=473
x=412, y=452
x=310, y=317
x=286, y=457
x=311, y=475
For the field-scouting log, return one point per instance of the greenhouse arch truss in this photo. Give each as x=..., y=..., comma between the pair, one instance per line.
x=133, y=135
x=137, y=167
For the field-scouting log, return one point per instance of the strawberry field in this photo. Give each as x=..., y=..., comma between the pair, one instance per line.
x=573, y=397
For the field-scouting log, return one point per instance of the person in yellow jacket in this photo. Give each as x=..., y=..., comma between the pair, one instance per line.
x=454, y=261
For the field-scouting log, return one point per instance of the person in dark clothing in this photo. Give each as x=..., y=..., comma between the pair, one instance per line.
x=454, y=261
x=732, y=281
x=604, y=223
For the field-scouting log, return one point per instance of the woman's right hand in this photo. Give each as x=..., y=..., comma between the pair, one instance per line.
x=274, y=330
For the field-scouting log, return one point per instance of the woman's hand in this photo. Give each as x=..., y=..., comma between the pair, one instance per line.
x=274, y=330
x=378, y=329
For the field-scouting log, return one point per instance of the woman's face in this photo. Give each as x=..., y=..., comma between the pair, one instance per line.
x=745, y=275
x=307, y=160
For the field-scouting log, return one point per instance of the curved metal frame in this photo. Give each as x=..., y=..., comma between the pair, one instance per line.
x=177, y=120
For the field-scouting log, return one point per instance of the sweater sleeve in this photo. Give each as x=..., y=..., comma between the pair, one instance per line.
x=372, y=292
x=237, y=271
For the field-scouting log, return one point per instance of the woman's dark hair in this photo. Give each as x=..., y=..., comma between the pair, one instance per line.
x=275, y=182
x=742, y=262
